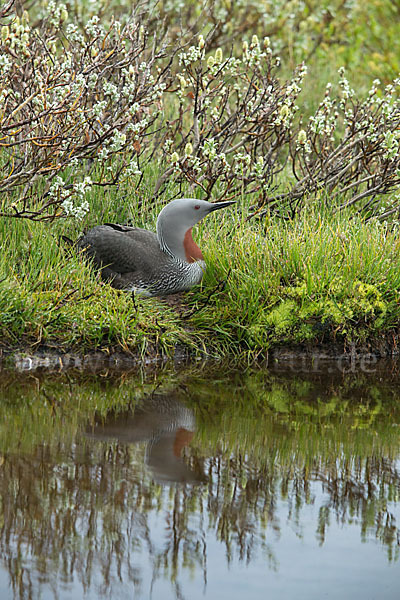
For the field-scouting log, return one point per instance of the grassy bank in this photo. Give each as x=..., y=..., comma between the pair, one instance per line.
x=110, y=115
x=321, y=278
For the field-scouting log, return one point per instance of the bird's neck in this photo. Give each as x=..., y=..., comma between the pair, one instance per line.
x=179, y=244
x=192, y=251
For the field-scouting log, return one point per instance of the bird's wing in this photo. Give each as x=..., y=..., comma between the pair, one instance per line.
x=120, y=248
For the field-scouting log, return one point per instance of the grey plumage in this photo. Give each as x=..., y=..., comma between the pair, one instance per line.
x=151, y=264
x=130, y=259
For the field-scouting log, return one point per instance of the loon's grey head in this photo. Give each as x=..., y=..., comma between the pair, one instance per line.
x=175, y=222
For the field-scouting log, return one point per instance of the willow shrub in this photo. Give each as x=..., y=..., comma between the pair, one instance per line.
x=93, y=103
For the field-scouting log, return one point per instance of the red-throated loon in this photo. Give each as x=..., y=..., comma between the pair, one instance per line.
x=152, y=264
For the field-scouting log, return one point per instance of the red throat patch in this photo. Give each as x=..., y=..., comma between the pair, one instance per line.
x=192, y=251
x=183, y=437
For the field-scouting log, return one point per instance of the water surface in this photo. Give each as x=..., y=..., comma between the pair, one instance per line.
x=200, y=484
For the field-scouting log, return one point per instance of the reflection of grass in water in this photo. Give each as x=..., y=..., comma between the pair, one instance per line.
x=249, y=415
x=245, y=414
x=261, y=439
x=34, y=410
x=306, y=418
x=276, y=436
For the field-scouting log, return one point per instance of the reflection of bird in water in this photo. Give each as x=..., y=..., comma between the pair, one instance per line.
x=166, y=424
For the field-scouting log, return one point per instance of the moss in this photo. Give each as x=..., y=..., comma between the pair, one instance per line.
x=339, y=309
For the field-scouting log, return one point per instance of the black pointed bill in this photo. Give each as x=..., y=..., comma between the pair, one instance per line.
x=219, y=205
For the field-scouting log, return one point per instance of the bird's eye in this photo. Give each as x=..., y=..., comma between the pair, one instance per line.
x=197, y=206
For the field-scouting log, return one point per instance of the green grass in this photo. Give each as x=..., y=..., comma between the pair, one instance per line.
x=49, y=296
x=320, y=278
